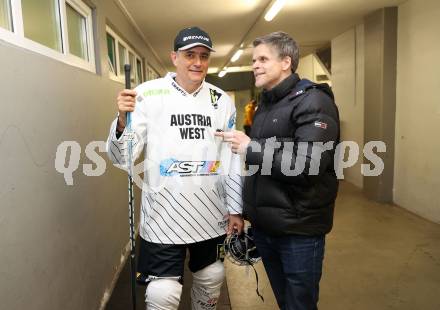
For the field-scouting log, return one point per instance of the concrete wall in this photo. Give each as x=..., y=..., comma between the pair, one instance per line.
x=416, y=160
x=60, y=245
x=348, y=87
x=380, y=30
x=310, y=68
x=417, y=146
x=306, y=68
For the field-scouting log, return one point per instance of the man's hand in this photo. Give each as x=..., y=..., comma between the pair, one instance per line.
x=235, y=223
x=237, y=139
x=126, y=102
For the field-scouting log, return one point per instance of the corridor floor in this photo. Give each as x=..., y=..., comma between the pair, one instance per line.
x=378, y=257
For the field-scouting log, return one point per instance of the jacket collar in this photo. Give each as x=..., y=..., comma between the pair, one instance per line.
x=281, y=90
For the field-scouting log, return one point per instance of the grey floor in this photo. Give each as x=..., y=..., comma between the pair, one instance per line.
x=378, y=257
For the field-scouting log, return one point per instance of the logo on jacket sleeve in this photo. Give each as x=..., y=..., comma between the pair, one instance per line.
x=215, y=96
x=321, y=125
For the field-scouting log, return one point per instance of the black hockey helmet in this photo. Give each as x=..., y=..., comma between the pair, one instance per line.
x=241, y=249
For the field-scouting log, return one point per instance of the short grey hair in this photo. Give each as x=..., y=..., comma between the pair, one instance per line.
x=284, y=44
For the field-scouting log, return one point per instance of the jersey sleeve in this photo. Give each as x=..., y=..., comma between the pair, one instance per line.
x=233, y=180
x=117, y=147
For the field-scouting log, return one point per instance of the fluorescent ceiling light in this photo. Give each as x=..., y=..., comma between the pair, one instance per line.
x=236, y=55
x=212, y=70
x=240, y=69
x=215, y=70
x=222, y=73
x=274, y=9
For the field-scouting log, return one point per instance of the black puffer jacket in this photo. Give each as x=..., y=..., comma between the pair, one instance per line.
x=292, y=112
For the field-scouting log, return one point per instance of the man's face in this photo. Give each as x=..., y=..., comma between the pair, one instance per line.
x=269, y=69
x=192, y=64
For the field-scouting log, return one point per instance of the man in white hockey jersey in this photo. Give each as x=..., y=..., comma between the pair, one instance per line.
x=191, y=194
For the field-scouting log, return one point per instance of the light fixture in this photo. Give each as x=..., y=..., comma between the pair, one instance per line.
x=274, y=9
x=236, y=55
x=222, y=73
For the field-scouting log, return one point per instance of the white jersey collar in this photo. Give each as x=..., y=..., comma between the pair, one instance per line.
x=171, y=78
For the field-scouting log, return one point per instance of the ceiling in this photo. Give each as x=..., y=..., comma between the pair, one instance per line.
x=312, y=23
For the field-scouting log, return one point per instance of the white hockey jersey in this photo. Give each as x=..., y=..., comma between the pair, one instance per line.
x=192, y=180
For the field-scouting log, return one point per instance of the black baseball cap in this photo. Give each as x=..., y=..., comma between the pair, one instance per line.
x=190, y=37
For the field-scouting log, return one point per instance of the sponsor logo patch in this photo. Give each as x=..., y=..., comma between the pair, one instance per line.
x=156, y=92
x=215, y=96
x=299, y=92
x=180, y=90
x=195, y=38
x=321, y=125
x=173, y=167
x=231, y=121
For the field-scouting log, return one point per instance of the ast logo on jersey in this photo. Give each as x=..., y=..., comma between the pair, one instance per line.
x=215, y=96
x=173, y=167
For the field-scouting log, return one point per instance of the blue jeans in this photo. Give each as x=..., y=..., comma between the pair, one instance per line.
x=294, y=266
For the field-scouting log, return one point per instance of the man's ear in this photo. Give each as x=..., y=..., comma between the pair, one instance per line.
x=286, y=63
x=173, y=57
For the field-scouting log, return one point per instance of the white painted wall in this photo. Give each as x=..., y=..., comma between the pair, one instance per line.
x=60, y=245
x=417, y=161
x=305, y=68
x=348, y=87
x=309, y=68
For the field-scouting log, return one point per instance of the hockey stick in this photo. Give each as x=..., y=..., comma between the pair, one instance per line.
x=127, y=69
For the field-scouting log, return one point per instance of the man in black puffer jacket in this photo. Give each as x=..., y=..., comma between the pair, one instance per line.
x=289, y=193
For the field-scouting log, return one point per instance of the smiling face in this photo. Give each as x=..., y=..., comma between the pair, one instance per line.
x=191, y=67
x=269, y=69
